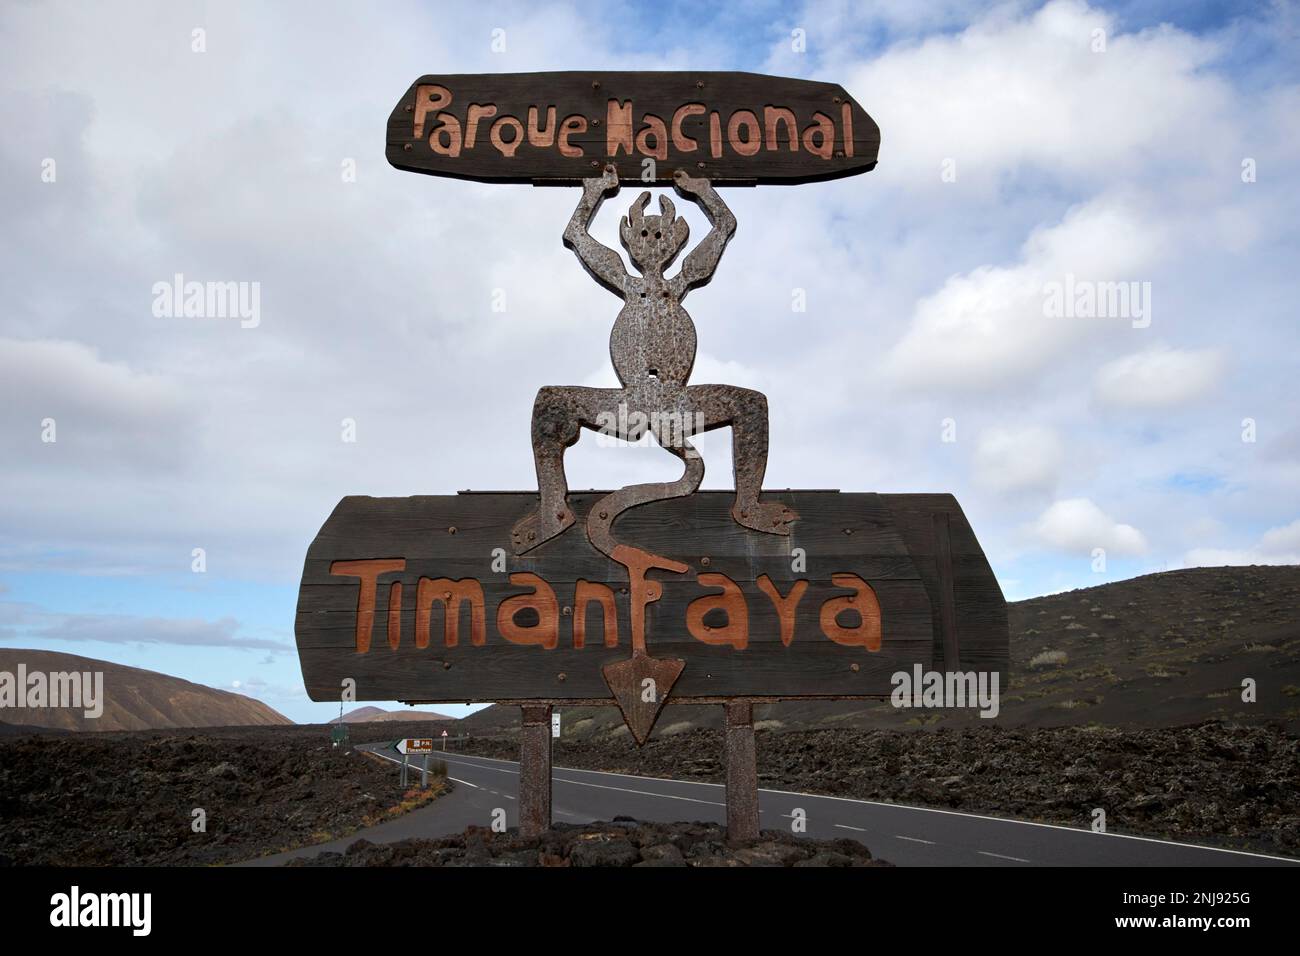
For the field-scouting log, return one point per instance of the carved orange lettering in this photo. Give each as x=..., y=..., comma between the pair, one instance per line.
x=572, y=125
x=507, y=147
x=618, y=128
x=785, y=606
x=822, y=126
x=536, y=135
x=368, y=572
x=776, y=114
x=546, y=631
x=655, y=127
x=451, y=594
x=681, y=142
x=450, y=128
x=868, y=630
x=752, y=141
x=395, y=614
x=584, y=594
x=429, y=98
x=476, y=113
x=732, y=601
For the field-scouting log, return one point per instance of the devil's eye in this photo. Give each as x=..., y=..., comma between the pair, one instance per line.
x=656, y=235
x=645, y=232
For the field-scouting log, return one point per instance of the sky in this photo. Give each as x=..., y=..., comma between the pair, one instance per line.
x=163, y=475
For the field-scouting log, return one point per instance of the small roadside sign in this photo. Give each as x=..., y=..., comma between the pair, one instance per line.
x=555, y=726
x=415, y=745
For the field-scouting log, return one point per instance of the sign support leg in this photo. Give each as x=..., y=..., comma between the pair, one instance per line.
x=535, y=770
x=742, y=772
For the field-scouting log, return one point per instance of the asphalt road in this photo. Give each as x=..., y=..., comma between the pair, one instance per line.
x=907, y=836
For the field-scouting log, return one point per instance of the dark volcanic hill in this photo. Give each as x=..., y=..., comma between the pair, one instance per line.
x=1161, y=650
x=134, y=699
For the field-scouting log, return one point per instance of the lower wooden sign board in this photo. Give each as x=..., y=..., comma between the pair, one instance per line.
x=422, y=600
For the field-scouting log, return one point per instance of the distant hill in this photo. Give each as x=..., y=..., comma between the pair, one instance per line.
x=1158, y=650
x=365, y=715
x=134, y=699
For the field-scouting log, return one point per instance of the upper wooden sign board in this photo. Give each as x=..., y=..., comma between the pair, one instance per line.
x=560, y=128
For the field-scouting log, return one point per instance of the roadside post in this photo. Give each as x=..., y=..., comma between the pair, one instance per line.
x=415, y=745
x=651, y=593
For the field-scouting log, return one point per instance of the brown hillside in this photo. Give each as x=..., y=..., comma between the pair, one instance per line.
x=365, y=715
x=134, y=699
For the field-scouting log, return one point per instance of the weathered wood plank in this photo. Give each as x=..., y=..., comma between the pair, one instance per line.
x=891, y=548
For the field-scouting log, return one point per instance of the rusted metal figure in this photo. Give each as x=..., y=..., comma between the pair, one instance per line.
x=652, y=347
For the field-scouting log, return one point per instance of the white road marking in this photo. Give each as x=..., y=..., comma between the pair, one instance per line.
x=899, y=836
x=999, y=856
x=894, y=806
x=644, y=793
x=845, y=826
x=456, y=779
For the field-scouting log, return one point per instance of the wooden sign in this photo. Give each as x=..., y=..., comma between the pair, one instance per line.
x=422, y=600
x=560, y=128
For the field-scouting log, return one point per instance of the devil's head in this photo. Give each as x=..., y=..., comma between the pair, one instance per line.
x=653, y=242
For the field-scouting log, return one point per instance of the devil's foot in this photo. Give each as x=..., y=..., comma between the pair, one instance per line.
x=541, y=525
x=770, y=517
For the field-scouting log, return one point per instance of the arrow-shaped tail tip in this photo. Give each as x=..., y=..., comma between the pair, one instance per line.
x=640, y=701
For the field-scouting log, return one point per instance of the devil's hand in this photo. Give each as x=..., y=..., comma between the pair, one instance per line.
x=606, y=184
x=690, y=185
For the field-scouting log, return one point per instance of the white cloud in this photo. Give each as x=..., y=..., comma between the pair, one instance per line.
x=1077, y=525
x=1158, y=378
x=1280, y=545
x=1283, y=539
x=29, y=621
x=1015, y=459
x=991, y=327
x=1011, y=91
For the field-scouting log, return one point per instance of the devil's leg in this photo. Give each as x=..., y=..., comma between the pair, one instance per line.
x=745, y=410
x=559, y=414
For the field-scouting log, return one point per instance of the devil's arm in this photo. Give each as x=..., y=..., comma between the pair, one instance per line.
x=604, y=264
x=698, y=267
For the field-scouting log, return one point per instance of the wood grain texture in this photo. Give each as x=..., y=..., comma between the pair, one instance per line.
x=887, y=541
x=559, y=128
